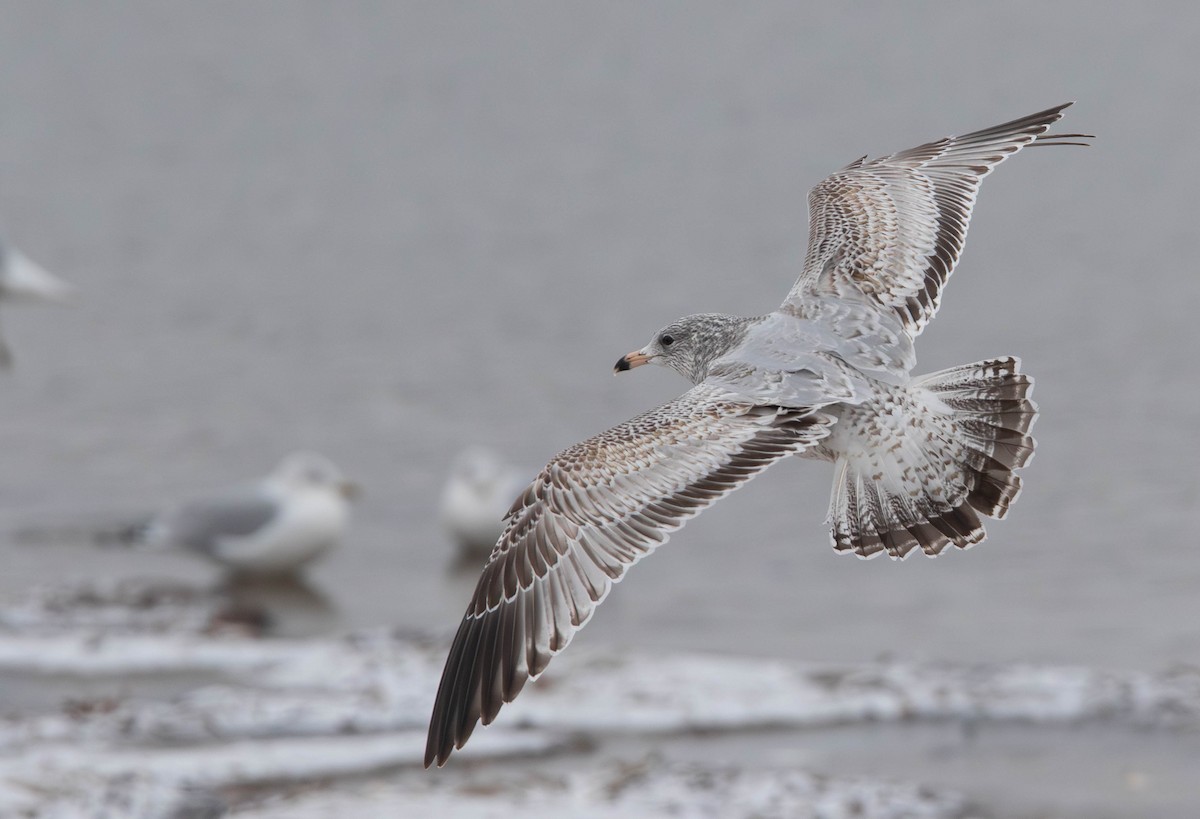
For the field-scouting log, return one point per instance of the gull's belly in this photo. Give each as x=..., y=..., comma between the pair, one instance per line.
x=305, y=530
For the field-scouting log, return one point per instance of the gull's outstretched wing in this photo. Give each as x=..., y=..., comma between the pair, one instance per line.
x=892, y=229
x=595, y=510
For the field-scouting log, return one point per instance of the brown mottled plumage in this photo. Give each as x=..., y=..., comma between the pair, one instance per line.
x=827, y=375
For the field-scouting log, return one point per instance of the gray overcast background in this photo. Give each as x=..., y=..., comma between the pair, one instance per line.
x=386, y=231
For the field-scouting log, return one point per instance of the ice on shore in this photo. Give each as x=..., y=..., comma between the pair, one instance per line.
x=295, y=711
x=645, y=788
x=379, y=682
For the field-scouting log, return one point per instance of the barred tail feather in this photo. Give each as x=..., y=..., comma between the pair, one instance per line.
x=919, y=465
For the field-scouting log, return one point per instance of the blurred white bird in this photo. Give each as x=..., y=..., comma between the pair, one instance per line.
x=271, y=527
x=477, y=495
x=24, y=280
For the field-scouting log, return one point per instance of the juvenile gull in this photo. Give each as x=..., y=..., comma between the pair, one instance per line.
x=825, y=376
x=23, y=280
x=274, y=526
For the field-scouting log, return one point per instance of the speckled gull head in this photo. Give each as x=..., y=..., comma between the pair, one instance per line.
x=308, y=470
x=688, y=345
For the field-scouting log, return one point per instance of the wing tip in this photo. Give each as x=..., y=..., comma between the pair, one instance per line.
x=1034, y=125
x=1044, y=138
x=438, y=745
x=442, y=742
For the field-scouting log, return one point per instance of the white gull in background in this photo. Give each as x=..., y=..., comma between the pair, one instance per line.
x=826, y=375
x=274, y=526
x=23, y=280
x=478, y=493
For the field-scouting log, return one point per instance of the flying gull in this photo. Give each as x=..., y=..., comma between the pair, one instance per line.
x=271, y=527
x=827, y=375
x=24, y=280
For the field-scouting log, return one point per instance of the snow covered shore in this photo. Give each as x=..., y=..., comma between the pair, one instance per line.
x=285, y=714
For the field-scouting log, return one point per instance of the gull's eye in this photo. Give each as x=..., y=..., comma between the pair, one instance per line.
x=666, y=340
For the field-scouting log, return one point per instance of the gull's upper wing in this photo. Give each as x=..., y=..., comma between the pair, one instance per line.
x=595, y=510
x=891, y=230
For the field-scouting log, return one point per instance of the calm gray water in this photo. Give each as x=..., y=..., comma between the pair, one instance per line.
x=386, y=231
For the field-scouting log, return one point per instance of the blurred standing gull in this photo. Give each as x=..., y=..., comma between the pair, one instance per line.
x=477, y=494
x=826, y=375
x=23, y=280
x=275, y=526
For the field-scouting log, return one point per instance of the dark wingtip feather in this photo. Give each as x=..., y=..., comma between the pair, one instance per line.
x=1053, y=115
x=451, y=706
x=1042, y=119
x=1045, y=139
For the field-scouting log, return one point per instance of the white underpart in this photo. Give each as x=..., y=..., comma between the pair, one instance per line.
x=907, y=453
x=273, y=526
x=311, y=521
